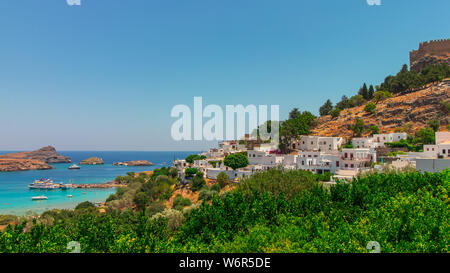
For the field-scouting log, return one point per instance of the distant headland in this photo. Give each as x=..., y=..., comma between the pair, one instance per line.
x=35, y=160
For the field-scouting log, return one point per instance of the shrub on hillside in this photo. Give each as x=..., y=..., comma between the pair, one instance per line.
x=370, y=108
x=223, y=179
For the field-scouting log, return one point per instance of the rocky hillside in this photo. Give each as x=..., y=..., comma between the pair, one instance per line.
x=415, y=108
x=14, y=165
x=35, y=160
x=47, y=154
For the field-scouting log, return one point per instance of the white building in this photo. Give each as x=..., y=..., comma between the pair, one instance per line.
x=317, y=162
x=212, y=173
x=359, y=158
x=434, y=158
x=388, y=138
x=317, y=143
x=365, y=142
x=377, y=140
x=264, y=158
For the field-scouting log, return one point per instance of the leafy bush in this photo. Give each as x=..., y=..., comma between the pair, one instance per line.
x=190, y=172
x=192, y=158
x=335, y=113
x=358, y=127
x=223, y=179
x=85, y=205
x=198, y=182
x=277, y=181
x=370, y=108
x=216, y=188
x=325, y=177
x=236, y=161
x=374, y=130
x=381, y=95
x=179, y=202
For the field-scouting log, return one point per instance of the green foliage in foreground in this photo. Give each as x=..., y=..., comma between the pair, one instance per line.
x=274, y=211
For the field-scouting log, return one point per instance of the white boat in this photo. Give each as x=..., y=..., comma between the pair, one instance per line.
x=74, y=167
x=41, y=197
x=69, y=196
x=46, y=184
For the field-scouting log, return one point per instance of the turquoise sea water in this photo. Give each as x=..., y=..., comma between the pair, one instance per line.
x=15, y=197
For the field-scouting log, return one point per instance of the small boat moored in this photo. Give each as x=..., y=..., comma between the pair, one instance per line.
x=41, y=197
x=69, y=196
x=74, y=167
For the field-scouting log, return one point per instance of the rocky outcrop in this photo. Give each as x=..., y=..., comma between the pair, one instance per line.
x=415, y=108
x=92, y=161
x=47, y=154
x=14, y=165
x=134, y=163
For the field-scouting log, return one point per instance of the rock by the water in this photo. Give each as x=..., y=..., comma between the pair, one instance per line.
x=134, y=163
x=47, y=155
x=92, y=161
x=15, y=164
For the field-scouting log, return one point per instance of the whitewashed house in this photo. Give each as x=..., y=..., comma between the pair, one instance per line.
x=317, y=143
x=434, y=158
x=356, y=159
x=388, y=138
x=317, y=162
x=264, y=159
x=377, y=140
x=212, y=173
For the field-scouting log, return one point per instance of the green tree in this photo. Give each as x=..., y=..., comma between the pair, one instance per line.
x=191, y=158
x=364, y=92
x=236, y=161
x=190, y=172
x=357, y=100
x=425, y=136
x=335, y=113
x=358, y=127
x=371, y=92
x=344, y=103
x=295, y=113
x=222, y=179
x=381, y=95
x=370, y=108
x=198, y=182
x=326, y=108
x=374, y=130
x=434, y=124
x=140, y=200
x=173, y=172
x=309, y=118
x=85, y=205
x=179, y=202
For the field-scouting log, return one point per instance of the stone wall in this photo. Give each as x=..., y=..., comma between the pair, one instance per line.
x=436, y=51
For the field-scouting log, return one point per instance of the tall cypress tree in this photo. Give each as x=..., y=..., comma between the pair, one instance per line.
x=364, y=92
x=371, y=92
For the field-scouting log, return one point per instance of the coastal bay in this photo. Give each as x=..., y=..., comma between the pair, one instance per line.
x=15, y=197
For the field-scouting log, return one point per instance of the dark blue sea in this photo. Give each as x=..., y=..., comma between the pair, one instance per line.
x=15, y=197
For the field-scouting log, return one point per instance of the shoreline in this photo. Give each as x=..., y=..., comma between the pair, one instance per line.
x=39, y=207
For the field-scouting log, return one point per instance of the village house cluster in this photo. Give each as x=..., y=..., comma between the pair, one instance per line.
x=319, y=155
x=434, y=158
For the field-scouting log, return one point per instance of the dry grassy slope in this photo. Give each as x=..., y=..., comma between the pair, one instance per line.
x=417, y=108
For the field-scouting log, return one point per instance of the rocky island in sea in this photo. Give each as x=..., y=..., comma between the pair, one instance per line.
x=92, y=161
x=134, y=163
x=35, y=160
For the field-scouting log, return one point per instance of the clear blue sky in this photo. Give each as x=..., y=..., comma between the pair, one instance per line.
x=105, y=75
